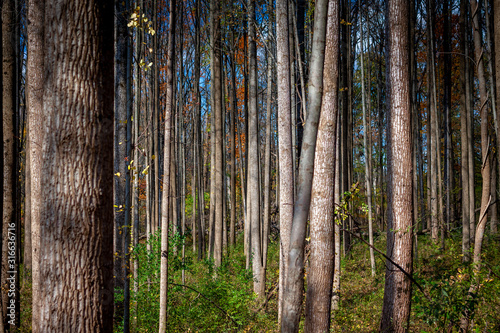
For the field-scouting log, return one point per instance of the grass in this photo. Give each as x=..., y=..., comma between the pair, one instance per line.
x=222, y=300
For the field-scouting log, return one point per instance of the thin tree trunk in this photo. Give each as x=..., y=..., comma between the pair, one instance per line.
x=464, y=145
x=35, y=66
x=286, y=163
x=320, y=277
x=337, y=236
x=217, y=111
x=368, y=155
x=169, y=107
x=485, y=151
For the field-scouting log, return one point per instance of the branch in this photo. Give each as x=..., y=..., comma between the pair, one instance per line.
x=392, y=262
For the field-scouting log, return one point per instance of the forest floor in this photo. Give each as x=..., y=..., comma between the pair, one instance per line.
x=222, y=300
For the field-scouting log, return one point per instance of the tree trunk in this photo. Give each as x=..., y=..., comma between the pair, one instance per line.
x=165, y=209
x=496, y=42
x=337, y=237
x=368, y=153
x=320, y=277
x=76, y=238
x=121, y=162
x=432, y=130
x=35, y=72
x=217, y=133
x=292, y=300
x=286, y=164
x=397, y=294
x=485, y=151
x=464, y=145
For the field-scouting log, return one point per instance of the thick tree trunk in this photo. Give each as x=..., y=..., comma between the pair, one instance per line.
x=397, y=294
x=320, y=277
x=76, y=239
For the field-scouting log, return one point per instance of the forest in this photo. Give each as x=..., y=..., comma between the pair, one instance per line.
x=250, y=166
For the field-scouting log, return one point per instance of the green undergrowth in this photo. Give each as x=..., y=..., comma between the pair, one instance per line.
x=442, y=275
x=209, y=299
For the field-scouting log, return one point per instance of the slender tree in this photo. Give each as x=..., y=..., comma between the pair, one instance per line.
x=36, y=10
x=397, y=293
x=165, y=209
x=286, y=187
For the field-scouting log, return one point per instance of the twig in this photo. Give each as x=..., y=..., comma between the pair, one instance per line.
x=392, y=262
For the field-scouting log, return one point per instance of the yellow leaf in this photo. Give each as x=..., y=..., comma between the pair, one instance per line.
x=117, y=174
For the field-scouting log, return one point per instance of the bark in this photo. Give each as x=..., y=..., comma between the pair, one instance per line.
x=253, y=157
x=432, y=130
x=295, y=279
x=121, y=152
x=35, y=66
x=368, y=153
x=76, y=236
x=320, y=277
x=496, y=42
x=464, y=146
x=286, y=185
x=397, y=294
x=217, y=110
x=10, y=157
x=485, y=151
x=337, y=237
x=448, y=175
x=234, y=113
x=169, y=108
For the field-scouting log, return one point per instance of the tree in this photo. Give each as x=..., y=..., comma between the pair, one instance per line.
x=397, y=293
x=76, y=233
x=167, y=155
x=320, y=277
x=36, y=10
x=292, y=300
x=122, y=152
x=10, y=144
x=286, y=187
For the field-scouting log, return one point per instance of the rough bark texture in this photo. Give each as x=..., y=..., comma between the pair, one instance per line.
x=9, y=146
x=320, y=276
x=295, y=274
x=397, y=294
x=165, y=209
x=76, y=239
x=286, y=188
x=35, y=71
